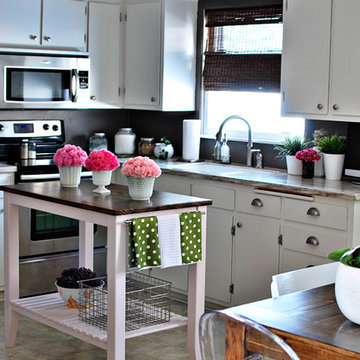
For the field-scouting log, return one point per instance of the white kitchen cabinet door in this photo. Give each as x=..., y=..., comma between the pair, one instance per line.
x=64, y=24
x=20, y=22
x=256, y=257
x=104, y=43
x=142, y=56
x=345, y=83
x=306, y=56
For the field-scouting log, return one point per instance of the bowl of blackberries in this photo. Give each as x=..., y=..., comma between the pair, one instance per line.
x=77, y=287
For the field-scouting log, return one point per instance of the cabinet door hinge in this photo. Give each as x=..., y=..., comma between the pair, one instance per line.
x=120, y=17
x=84, y=38
x=119, y=91
x=233, y=230
x=286, y=5
x=283, y=96
x=231, y=288
x=85, y=10
x=280, y=240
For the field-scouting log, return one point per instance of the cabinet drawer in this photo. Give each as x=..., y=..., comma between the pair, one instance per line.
x=312, y=240
x=257, y=204
x=222, y=198
x=328, y=215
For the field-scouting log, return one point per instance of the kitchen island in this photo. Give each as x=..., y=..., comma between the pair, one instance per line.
x=111, y=211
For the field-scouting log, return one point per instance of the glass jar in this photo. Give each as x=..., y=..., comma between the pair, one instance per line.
x=146, y=147
x=98, y=141
x=125, y=142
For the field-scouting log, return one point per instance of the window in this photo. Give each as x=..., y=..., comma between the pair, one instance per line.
x=241, y=74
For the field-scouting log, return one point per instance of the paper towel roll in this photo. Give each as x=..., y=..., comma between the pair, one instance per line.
x=191, y=139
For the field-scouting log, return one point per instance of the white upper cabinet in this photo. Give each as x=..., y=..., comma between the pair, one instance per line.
x=20, y=22
x=160, y=55
x=320, y=72
x=63, y=24
x=104, y=46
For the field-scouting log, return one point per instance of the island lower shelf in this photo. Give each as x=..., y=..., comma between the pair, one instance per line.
x=51, y=310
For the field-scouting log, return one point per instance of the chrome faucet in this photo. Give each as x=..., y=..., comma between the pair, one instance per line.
x=250, y=150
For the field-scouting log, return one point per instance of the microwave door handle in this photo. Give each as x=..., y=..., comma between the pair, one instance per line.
x=74, y=85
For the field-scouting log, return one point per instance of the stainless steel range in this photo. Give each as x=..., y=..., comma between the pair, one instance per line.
x=48, y=243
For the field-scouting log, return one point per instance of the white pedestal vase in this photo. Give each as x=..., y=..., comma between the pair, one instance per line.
x=70, y=176
x=294, y=166
x=141, y=188
x=101, y=179
x=333, y=165
x=347, y=291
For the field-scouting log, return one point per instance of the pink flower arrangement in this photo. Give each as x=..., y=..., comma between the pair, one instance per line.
x=141, y=166
x=101, y=160
x=308, y=155
x=70, y=155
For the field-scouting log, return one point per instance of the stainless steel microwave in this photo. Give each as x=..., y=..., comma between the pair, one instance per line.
x=43, y=80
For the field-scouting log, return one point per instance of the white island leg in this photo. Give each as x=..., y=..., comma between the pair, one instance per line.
x=11, y=260
x=116, y=275
x=196, y=296
x=86, y=245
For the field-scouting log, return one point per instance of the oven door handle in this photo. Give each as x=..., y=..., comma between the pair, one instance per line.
x=34, y=177
x=74, y=85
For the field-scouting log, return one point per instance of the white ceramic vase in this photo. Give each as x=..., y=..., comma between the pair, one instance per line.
x=347, y=291
x=141, y=188
x=294, y=166
x=163, y=152
x=333, y=166
x=70, y=176
x=101, y=179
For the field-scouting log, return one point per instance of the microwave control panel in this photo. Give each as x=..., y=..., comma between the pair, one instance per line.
x=83, y=79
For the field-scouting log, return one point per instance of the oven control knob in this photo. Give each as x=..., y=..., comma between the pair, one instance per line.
x=1, y=127
x=55, y=127
x=46, y=126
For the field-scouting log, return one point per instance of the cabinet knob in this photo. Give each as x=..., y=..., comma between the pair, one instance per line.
x=320, y=106
x=47, y=38
x=257, y=202
x=312, y=240
x=32, y=37
x=153, y=99
x=92, y=97
x=239, y=224
x=336, y=107
x=313, y=212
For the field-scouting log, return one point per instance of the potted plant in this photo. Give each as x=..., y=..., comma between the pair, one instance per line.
x=141, y=173
x=308, y=158
x=101, y=163
x=347, y=282
x=68, y=286
x=288, y=150
x=163, y=150
x=70, y=159
x=333, y=147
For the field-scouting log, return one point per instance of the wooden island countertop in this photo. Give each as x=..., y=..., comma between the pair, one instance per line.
x=118, y=202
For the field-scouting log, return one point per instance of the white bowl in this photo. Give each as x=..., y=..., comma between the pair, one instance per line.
x=72, y=296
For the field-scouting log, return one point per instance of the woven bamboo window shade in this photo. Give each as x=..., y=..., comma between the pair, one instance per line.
x=242, y=49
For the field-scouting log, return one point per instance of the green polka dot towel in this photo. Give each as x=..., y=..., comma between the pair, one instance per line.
x=190, y=234
x=144, y=248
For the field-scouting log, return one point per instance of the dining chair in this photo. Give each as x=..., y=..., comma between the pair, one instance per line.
x=303, y=279
x=227, y=336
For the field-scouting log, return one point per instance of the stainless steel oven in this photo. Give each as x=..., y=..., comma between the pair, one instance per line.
x=48, y=242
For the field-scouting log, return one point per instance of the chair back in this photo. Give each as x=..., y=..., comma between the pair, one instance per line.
x=226, y=336
x=303, y=279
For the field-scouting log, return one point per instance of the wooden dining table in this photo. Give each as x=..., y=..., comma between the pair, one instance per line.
x=309, y=321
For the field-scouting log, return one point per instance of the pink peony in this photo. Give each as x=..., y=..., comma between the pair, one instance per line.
x=140, y=166
x=101, y=160
x=70, y=155
x=308, y=155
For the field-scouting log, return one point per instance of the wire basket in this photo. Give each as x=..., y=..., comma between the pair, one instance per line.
x=148, y=301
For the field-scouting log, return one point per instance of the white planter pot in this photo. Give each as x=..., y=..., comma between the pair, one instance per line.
x=101, y=179
x=163, y=152
x=294, y=166
x=141, y=188
x=70, y=176
x=333, y=165
x=347, y=291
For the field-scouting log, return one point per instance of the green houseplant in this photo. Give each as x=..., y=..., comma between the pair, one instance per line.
x=333, y=148
x=347, y=282
x=288, y=150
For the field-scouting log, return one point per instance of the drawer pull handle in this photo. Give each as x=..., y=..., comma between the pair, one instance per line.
x=313, y=212
x=257, y=202
x=312, y=240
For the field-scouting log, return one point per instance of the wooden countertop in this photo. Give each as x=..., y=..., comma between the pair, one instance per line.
x=118, y=202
